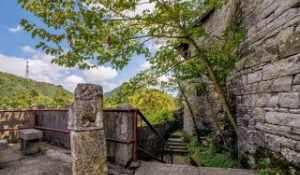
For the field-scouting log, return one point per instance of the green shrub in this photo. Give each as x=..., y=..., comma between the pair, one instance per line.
x=207, y=155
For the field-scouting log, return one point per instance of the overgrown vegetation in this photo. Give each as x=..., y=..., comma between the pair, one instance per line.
x=99, y=32
x=267, y=162
x=113, y=32
x=207, y=155
x=156, y=105
x=264, y=168
x=17, y=92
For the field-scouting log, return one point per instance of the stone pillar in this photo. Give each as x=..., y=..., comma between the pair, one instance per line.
x=87, y=132
x=120, y=126
x=125, y=131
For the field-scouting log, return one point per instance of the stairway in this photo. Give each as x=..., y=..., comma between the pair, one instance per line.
x=176, y=145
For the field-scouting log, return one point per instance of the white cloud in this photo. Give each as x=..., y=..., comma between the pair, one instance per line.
x=39, y=69
x=164, y=78
x=146, y=65
x=108, y=86
x=15, y=29
x=71, y=81
x=100, y=73
x=28, y=49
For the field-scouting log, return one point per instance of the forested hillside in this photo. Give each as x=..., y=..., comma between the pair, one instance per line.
x=18, y=92
x=156, y=105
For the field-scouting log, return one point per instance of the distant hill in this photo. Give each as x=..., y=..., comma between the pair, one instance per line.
x=110, y=93
x=18, y=92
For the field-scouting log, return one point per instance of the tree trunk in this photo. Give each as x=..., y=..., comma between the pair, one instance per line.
x=217, y=86
x=189, y=107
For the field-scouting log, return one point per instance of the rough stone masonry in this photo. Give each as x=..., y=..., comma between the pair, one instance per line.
x=266, y=81
x=87, y=131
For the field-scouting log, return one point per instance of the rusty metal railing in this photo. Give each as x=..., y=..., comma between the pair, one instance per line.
x=134, y=140
x=156, y=133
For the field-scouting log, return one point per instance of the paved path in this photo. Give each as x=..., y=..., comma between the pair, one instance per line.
x=154, y=168
x=54, y=161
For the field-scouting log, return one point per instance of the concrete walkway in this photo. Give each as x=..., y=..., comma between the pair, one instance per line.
x=154, y=168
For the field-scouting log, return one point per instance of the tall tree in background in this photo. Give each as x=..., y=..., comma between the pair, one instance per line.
x=87, y=33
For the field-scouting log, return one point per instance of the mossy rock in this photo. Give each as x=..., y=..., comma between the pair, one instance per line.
x=269, y=163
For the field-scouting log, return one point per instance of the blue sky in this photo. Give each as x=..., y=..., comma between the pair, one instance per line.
x=16, y=46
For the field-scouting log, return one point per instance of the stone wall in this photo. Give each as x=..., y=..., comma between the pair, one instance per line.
x=266, y=81
x=265, y=84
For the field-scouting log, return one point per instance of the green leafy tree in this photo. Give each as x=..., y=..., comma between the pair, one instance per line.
x=88, y=33
x=156, y=105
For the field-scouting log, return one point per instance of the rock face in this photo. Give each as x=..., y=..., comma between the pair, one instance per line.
x=265, y=82
x=205, y=107
x=87, y=132
x=205, y=102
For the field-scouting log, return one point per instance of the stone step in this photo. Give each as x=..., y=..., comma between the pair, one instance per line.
x=180, y=140
x=176, y=146
x=176, y=136
x=177, y=150
x=176, y=143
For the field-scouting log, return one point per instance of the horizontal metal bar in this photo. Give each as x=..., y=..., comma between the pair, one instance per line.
x=65, y=110
x=120, y=141
x=14, y=129
x=32, y=110
x=119, y=110
x=65, y=131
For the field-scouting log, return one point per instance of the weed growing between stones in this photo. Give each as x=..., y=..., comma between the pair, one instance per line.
x=207, y=155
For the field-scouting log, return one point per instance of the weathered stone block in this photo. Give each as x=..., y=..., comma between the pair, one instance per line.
x=125, y=130
x=296, y=88
x=88, y=153
x=285, y=119
x=87, y=108
x=291, y=45
x=283, y=84
x=273, y=101
x=282, y=68
x=264, y=86
x=267, y=100
x=259, y=114
x=30, y=141
x=273, y=142
x=255, y=77
x=289, y=100
x=88, y=144
x=294, y=111
x=274, y=129
x=31, y=134
x=263, y=100
x=291, y=155
x=249, y=100
x=297, y=80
